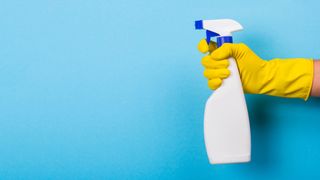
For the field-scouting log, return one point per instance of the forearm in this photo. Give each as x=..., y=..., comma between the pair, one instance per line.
x=315, y=91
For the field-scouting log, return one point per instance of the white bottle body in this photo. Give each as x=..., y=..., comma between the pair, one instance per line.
x=226, y=122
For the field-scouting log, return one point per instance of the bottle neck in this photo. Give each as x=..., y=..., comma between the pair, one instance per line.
x=224, y=39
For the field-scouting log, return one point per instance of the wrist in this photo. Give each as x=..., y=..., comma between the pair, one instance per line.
x=315, y=91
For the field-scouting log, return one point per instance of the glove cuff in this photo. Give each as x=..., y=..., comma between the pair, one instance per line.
x=291, y=78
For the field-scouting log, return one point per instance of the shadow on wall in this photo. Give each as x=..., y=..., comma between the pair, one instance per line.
x=261, y=126
x=262, y=109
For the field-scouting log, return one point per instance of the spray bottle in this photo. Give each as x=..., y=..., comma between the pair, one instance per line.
x=226, y=121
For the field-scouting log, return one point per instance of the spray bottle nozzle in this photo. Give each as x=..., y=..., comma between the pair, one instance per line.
x=198, y=24
x=220, y=27
x=209, y=34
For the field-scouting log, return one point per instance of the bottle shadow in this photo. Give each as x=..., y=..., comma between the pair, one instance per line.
x=260, y=124
x=261, y=111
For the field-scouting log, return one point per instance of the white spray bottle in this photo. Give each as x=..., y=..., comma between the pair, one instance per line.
x=226, y=121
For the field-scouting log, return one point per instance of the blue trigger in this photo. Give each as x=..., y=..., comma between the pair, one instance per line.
x=211, y=34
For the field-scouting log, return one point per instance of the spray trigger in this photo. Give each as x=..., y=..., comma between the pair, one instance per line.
x=210, y=34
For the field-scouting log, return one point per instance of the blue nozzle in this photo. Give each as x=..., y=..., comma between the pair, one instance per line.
x=211, y=26
x=198, y=24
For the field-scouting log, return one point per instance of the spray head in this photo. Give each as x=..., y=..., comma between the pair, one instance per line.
x=220, y=28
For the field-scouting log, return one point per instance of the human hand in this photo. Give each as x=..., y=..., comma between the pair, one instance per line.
x=285, y=78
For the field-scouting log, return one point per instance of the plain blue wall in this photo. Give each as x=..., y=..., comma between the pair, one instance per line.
x=113, y=89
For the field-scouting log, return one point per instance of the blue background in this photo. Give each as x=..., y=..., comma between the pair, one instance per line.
x=114, y=90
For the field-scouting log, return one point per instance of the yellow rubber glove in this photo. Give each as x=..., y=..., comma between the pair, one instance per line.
x=291, y=78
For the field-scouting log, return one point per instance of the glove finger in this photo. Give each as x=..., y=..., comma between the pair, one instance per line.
x=204, y=47
x=223, y=52
x=208, y=62
x=216, y=73
x=214, y=83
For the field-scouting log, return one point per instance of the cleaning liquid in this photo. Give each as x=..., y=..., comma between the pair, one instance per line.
x=226, y=120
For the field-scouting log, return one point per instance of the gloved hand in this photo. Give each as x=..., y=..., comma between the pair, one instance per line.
x=290, y=78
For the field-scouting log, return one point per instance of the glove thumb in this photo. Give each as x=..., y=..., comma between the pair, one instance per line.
x=223, y=52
